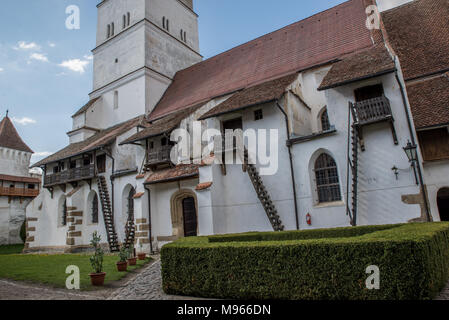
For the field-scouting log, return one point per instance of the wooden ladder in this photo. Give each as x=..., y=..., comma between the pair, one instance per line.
x=108, y=214
x=263, y=195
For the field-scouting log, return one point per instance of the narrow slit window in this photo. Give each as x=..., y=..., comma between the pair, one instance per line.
x=325, y=123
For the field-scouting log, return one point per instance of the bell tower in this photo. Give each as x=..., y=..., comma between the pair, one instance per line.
x=140, y=46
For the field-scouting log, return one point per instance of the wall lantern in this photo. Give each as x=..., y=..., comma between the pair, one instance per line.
x=411, y=150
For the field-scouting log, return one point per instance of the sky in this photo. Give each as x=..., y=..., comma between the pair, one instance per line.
x=46, y=69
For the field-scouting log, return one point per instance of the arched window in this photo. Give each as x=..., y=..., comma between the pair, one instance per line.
x=325, y=123
x=163, y=22
x=327, y=182
x=112, y=29
x=131, y=195
x=167, y=25
x=129, y=18
x=185, y=36
x=109, y=31
x=95, y=209
x=64, y=213
x=124, y=21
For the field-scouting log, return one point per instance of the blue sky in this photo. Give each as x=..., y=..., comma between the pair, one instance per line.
x=39, y=82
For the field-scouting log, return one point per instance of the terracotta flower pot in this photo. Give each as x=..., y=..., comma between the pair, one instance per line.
x=122, y=266
x=132, y=261
x=97, y=279
x=141, y=256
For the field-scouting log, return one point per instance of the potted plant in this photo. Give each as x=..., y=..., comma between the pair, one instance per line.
x=122, y=265
x=141, y=255
x=98, y=276
x=132, y=260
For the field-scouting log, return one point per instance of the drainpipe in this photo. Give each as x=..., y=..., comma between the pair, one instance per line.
x=412, y=137
x=150, y=232
x=292, y=172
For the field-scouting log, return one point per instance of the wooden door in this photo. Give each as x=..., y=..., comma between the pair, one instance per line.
x=101, y=163
x=189, y=215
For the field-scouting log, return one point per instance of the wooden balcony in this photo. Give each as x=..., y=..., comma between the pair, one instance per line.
x=18, y=192
x=372, y=111
x=159, y=156
x=70, y=175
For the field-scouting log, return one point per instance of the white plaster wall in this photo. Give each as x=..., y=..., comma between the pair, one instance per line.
x=12, y=216
x=113, y=11
x=179, y=16
x=14, y=162
x=436, y=177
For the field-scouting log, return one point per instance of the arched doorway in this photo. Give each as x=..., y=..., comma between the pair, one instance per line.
x=443, y=203
x=184, y=214
x=189, y=217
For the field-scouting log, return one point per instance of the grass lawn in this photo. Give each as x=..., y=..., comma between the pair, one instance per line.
x=50, y=269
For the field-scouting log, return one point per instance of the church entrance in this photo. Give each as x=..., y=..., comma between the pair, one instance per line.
x=189, y=215
x=443, y=204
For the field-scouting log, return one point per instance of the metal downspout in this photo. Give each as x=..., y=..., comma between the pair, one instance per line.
x=292, y=171
x=412, y=136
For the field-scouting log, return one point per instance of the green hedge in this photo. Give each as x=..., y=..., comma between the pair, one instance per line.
x=320, y=264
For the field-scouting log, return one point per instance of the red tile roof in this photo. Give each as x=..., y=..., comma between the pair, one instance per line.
x=9, y=137
x=265, y=92
x=419, y=34
x=203, y=186
x=95, y=142
x=179, y=172
x=316, y=40
x=361, y=65
x=429, y=100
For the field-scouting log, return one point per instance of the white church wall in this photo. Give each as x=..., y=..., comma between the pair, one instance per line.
x=436, y=177
x=180, y=18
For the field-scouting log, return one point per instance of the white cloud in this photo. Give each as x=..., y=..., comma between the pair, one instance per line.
x=1, y=69
x=75, y=65
x=24, y=121
x=89, y=57
x=39, y=57
x=22, y=45
x=51, y=44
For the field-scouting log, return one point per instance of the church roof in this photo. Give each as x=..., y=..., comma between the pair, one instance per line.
x=372, y=62
x=161, y=126
x=9, y=137
x=418, y=32
x=97, y=141
x=319, y=39
x=86, y=107
x=261, y=93
x=180, y=172
x=429, y=100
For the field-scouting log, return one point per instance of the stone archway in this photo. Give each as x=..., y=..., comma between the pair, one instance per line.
x=177, y=212
x=443, y=204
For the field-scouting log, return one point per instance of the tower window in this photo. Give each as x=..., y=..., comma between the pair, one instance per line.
x=165, y=24
x=325, y=123
x=108, y=35
x=258, y=115
x=116, y=99
x=129, y=18
x=327, y=182
x=124, y=21
x=183, y=35
x=112, y=29
x=95, y=209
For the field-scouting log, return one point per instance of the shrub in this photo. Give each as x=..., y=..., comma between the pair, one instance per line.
x=321, y=264
x=97, y=259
